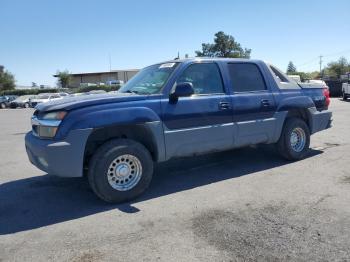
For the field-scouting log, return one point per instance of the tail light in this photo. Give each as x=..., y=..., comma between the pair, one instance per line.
x=327, y=96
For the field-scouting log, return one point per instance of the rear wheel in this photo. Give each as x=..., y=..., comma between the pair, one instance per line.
x=295, y=139
x=120, y=170
x=26, y=105
x=2, y=106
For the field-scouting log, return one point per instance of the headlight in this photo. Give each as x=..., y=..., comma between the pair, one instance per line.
x=58, y=115
x=46, y=125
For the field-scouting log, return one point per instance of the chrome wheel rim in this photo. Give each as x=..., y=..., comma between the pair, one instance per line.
x=298, y=139
x=124, y=172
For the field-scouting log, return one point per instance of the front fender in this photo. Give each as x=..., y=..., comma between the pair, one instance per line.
x=87, y=118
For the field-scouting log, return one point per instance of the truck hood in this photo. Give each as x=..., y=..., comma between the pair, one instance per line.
x=71, y=103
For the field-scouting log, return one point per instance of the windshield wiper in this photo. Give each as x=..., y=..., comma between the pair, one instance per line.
x=132, y=92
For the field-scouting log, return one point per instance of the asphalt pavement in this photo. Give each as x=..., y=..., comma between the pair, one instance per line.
x=242, y=205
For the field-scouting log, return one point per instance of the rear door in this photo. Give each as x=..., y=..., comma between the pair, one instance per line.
x=200, y=123
x=253, y=104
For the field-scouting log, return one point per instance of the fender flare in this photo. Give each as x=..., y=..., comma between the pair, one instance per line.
x=301, y=103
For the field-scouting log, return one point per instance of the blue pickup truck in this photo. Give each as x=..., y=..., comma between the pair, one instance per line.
x=174, y=109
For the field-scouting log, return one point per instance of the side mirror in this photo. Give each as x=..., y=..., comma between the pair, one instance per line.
x=184, y=89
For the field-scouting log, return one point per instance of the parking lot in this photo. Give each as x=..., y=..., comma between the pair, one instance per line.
x=245, y=204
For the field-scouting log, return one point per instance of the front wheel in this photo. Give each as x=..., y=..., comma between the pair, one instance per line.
x=295, y=139
x=2, y=106
x=120, y=170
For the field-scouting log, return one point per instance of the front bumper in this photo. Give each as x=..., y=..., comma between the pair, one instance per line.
x=320, y=120
x=60, y=158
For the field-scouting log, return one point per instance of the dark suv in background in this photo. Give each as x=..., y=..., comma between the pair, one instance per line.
x=5, y=101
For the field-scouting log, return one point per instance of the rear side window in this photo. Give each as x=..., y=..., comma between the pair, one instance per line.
x=246, y=77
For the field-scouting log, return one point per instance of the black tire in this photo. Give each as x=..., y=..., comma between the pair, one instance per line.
x=104, y=157
x=284, y=143
x=344, y=96
x=2, y=106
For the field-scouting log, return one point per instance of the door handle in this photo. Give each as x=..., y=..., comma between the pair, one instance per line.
x=265, y=103
x=224, y=105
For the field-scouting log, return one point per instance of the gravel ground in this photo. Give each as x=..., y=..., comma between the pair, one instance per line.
x=241, y=205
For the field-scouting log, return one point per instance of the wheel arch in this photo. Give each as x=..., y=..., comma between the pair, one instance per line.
x=142, y=133
x=283, y=116
x=302, y=113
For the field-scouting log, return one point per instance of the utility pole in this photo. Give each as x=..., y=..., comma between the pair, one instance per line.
x=321, y=63
x=110, y=62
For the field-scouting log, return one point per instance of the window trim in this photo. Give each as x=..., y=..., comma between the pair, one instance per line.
x=251, y=91
x=277, y=71
x=204, y=62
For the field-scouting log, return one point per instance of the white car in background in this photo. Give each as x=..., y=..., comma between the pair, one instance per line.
x=296, y=78
x=345, y=89
x=42, y=98
x=316, y=81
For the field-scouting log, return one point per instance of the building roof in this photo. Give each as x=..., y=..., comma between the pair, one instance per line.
x=170, y=61
x=103, y=72
x=209, y=59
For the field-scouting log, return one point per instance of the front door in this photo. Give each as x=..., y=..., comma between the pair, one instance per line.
x=200, y=123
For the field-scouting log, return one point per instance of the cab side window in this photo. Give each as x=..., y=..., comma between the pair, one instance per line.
x=246, y=77
x=205, y=78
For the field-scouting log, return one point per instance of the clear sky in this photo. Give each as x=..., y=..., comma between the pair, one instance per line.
x=39, y=37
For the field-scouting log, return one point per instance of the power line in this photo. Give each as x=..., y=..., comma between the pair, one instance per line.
x=338, y=53
x=309, y=62
x=317, y=59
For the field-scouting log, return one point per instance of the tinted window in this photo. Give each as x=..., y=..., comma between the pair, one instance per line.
x=205, y=78
x=246, y=77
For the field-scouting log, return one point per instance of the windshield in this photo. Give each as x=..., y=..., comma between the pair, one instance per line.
x=43, y=97
x=149, y=80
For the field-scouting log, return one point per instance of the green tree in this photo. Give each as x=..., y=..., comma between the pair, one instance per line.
x=223, y=46
x=337, y=68
x=291, y=68
x=7, y=81
x=307, y=75
x=313, y=75
x=64, y=78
